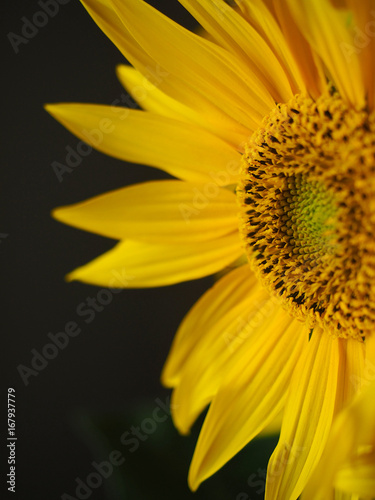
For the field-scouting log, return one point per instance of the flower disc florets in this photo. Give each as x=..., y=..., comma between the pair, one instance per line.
x=307, y=200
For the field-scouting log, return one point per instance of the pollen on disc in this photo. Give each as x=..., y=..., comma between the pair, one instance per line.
x=307, y=198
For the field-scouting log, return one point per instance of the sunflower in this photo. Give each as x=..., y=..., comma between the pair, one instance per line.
x=266, y=120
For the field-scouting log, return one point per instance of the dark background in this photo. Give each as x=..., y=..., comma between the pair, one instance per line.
x=78, y=406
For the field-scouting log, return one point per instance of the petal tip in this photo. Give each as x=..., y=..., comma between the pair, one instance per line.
x=169, y=376
x=193, y=481
x=70, y=277
x=64, y=215
x=51, y=108
x=166, y=380
x=56, y=213
x=122, y=67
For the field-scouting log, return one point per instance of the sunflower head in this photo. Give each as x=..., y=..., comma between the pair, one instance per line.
x=308, y=211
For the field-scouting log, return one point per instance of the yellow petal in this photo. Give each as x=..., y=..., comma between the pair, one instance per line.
x=178, y=148
x=106, y=17
x=353, y=429
x=150, y=96
x=363, y=43
x=231, y=30
x=310, y=69
x=307, y=418
x=339, y=495
x=174, y=85
x=251, y=395
x=325, y=29
x=359, y=477
x=165, y=212
x=262, y=17
x=370, y=353
x=207, y=312
x=153, y=99
x=353, y=367
x=215, y=73
x=133, y=264
x=212, y=356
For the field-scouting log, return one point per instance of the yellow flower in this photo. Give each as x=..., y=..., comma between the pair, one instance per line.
x=348, y=465
x=267, y=121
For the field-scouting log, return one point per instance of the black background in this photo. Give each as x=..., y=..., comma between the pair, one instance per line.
x=115, y=362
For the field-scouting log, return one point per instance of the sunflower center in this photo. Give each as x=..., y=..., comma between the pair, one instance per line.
x=307, y=199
